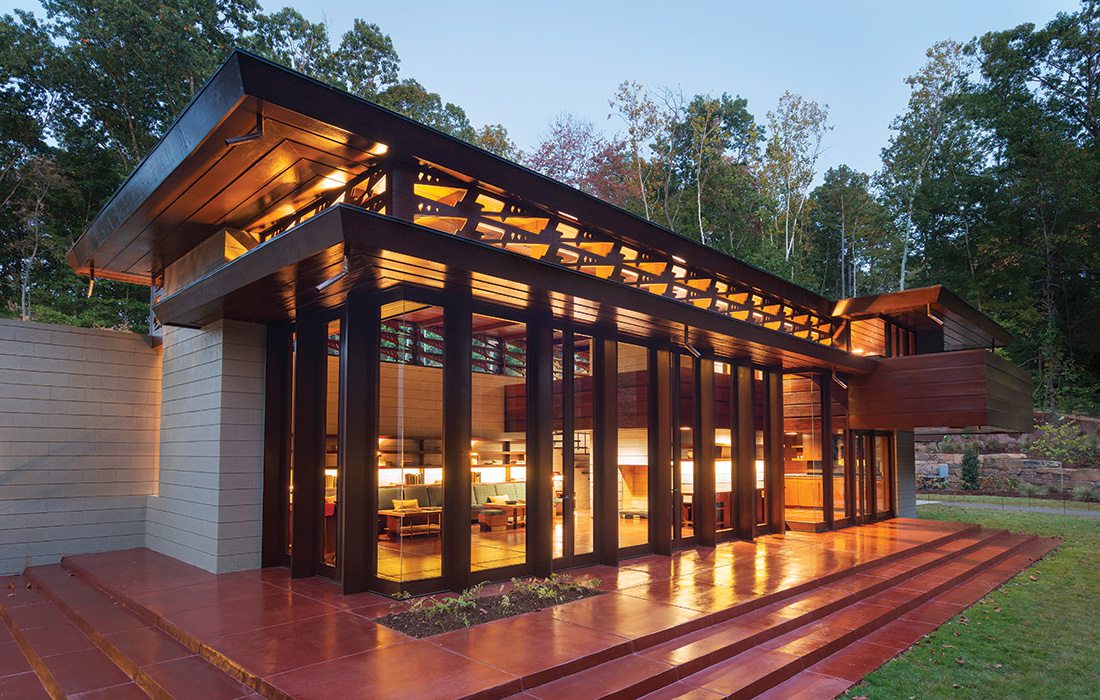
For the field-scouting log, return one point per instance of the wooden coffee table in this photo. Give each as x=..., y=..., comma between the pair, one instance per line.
x=409, y=523
x=514, y=512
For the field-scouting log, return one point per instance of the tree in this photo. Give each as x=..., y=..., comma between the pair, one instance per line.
x=971, y=468
x=919, y=133
x=850, y=251
x=367, y=59
x=494, y=138
x=796, y=132
x=566, y=150
x=644, y=121
x=288, y=38
x=125, y=69
x=712, y=129
x=414, y=100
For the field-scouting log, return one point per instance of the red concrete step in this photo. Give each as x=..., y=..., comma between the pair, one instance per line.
x=64, y=660
x=654, y=666
x=835, y=674
x=764, y=667
x=145, y=655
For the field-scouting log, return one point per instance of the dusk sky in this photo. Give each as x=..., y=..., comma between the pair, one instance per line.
x=521, y=63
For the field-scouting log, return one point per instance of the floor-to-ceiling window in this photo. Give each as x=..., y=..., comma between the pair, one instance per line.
x=723, y=447
x=884, y=501
x=633, y=456
x=498, y=454
x=330, y=515
x=683, y=467
x=803, y=460
x=410, y=442
x=838, y=445
x=759, y=418
x=574, y=515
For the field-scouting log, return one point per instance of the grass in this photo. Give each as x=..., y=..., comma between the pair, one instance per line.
x=1035, y=637
x=1007, y=500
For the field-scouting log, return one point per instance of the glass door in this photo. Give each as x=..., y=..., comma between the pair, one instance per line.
x=574, y=502
x=683, y=450
x=883, y=475
x=862, y=501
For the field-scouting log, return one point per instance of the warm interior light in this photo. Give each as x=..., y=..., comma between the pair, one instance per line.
x=379, y=149
x=759, y=473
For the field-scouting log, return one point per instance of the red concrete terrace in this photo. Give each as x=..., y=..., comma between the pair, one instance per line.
x=797, y=615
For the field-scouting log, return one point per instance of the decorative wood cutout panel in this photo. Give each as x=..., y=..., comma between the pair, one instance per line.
x=447, y=203
x=444, y=201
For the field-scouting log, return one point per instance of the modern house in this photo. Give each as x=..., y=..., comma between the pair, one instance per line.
x=470, y=371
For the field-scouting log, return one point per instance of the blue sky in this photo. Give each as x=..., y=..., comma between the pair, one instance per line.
x=521, y=63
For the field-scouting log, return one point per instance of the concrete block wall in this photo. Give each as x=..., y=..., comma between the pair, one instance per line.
x=78, y=440
x=208, y=502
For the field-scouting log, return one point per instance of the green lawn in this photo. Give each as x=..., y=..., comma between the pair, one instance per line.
x=1036, y=637
x=1008, y=501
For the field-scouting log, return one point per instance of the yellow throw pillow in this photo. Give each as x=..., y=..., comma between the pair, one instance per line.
x=498, y=500
x=410, y=504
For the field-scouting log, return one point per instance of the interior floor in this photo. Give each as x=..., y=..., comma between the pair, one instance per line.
x=414, y=558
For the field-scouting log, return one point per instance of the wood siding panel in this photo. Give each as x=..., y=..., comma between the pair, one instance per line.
x=969, y=388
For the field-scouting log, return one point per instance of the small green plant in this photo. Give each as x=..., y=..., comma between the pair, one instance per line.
x=970, y=468
x=1064, y=442
x=1012, y=484
x=1084, y=493
x=1029, y=490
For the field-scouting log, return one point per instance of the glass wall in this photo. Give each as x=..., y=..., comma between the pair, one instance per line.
x=884, y=501
x=410, y=442
x=584, y=500
x=759, y=416
x=803, y=480
x=633, y=467
x=683, y=471
x=838, y=444
x=572, y=476
x=330, y=515
x=498, y=459
x=723, y=446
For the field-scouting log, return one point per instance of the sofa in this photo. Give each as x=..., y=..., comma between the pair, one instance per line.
x=432, y=495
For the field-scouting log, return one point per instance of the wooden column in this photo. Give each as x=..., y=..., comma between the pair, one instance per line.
x=399, y=189
x=359, y=374
x=457, y=388
x=540, y=446
x=744, y=452
x=660, y=450
x=773, y=450
x=310, y=360
x=827, y=505
x=703, y=498
x=605, y=447
x=276, y=444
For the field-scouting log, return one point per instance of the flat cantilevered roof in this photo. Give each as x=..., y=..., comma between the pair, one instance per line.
x=261, y=148
x=156, y=209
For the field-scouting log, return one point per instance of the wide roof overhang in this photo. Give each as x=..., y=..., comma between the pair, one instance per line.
x=194, y=182
x=287, y=276
x=930, y=308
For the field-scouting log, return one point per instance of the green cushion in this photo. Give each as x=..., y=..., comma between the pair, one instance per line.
x=492, y=511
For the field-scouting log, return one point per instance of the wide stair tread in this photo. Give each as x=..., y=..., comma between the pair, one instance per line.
x=142, y=654
x=759, y=669
x=62, y=661
x=836, y=673
x=649, y=670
